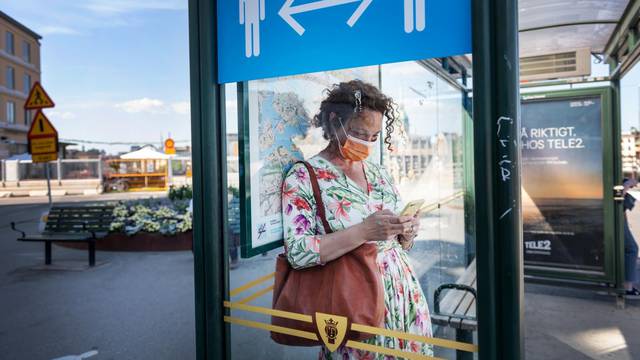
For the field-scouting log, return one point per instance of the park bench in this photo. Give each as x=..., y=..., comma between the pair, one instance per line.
x=72, y=224
x=457, y=309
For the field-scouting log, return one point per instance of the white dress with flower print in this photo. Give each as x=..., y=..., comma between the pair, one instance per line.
x=347, y=205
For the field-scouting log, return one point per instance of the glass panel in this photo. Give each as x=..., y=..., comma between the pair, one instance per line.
x=427, y=163
x=548, y=41
x=537, y=13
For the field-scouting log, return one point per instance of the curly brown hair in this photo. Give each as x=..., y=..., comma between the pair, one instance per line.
x=341, y=100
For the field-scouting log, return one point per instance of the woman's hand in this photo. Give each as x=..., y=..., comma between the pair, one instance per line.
x=406, y=238
x=384, y=225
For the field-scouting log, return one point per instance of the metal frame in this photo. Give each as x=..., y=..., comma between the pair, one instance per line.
x=499, y=256
x=209, y=184
x=609, y=269
x=496, y=118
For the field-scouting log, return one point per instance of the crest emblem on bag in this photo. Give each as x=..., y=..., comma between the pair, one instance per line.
x=332, y=330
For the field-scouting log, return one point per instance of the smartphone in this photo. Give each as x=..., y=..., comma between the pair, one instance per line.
x=412, y=208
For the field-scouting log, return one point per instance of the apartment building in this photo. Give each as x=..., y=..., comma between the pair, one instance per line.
x=630, y=153
x=19, y=69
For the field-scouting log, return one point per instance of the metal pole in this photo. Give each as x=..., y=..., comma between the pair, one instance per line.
x=59, y=168
x=616, y=130
x=208, y=136
x=48, y=172
x=497, y=176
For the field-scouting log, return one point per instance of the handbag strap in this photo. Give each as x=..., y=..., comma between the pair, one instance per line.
x=318, y=197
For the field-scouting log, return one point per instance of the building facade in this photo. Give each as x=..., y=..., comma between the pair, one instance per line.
x=19, y=69
x=630, y=153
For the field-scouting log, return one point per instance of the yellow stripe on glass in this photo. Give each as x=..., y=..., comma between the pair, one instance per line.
x=408, y=336
x=386, y=351
x=256, y=295
x=251, y=284
x=269, y=327
x=268, y=311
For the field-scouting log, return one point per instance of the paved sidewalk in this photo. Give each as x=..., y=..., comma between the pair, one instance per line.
x=141, y=306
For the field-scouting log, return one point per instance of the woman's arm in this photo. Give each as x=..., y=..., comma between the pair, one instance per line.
x=306, y=248
x=380, y=226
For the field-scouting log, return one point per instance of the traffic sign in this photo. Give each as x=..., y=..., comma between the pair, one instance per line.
x=43, y=139
x=169, y=147
x=268, y=38
x=38, y=98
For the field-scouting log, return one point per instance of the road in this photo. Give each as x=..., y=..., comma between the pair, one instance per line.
x=134, y=306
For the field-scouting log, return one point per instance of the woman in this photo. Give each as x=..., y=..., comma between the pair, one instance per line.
x=361, y=205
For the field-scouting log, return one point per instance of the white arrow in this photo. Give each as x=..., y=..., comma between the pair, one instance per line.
x=289, y=9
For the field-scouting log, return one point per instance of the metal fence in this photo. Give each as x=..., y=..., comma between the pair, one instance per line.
x=62, y=169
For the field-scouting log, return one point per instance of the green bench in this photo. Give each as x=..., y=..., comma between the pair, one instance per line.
x=457, y=309
x=72, y=224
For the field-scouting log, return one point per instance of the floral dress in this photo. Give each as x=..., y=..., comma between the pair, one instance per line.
x=346, y=203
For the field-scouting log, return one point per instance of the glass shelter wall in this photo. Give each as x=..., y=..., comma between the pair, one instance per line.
x=269, y=127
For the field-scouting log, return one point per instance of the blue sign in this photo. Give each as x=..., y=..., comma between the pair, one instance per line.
x=268, y=38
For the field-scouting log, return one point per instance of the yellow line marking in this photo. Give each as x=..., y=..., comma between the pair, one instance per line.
x=269, y=327
x=256, y=295
x=251, y=284
x=428, y=340
x=386, y=351
x=268, y=311
x=434, y=206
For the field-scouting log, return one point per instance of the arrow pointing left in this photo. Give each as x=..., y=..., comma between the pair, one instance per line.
x=288, y=9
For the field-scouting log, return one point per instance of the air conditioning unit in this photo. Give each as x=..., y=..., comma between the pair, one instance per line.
x=568, y=64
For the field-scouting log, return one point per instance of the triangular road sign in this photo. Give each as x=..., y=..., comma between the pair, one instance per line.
x=41, y=127
x=38, y=98
x=43, y=139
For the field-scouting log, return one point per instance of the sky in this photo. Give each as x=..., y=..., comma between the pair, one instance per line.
x=118, y=70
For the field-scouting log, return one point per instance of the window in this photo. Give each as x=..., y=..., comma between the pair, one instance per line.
x=27, y=117
x=26, y=51
x=26, y=83
x=8, y=43
x=11, y=77
x=11, y=112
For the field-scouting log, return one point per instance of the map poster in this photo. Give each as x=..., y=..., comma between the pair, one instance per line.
x=562, y=183
x=277, y=131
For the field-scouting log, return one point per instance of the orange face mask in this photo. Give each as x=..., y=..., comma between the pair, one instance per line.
x=355, y=149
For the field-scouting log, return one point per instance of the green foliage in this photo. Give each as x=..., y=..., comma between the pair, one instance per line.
x=184, y=192
x=234, y=191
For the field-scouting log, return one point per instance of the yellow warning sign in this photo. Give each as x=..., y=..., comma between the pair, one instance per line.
x=43, y=139
x=38, y=98
x=169, y=147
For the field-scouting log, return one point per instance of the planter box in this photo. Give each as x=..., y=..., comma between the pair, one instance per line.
x=139, y=242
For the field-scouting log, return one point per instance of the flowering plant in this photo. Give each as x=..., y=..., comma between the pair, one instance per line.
x=167, y=218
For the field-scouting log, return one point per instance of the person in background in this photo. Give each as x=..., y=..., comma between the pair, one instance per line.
x=630, y=244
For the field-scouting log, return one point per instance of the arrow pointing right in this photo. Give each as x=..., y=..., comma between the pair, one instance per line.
x=288, y=9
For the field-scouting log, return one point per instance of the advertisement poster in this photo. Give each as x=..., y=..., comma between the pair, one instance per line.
x=562, y=194
x=280, y=132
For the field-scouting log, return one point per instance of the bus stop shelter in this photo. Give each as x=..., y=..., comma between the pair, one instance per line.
x=545, y=27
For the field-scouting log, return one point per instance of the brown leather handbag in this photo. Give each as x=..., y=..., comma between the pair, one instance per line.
x=350, y=286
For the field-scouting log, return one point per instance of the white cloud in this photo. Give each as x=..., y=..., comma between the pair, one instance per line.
x=142, y=105
x=73, y=17
x=182, y=107
x=61, y=115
